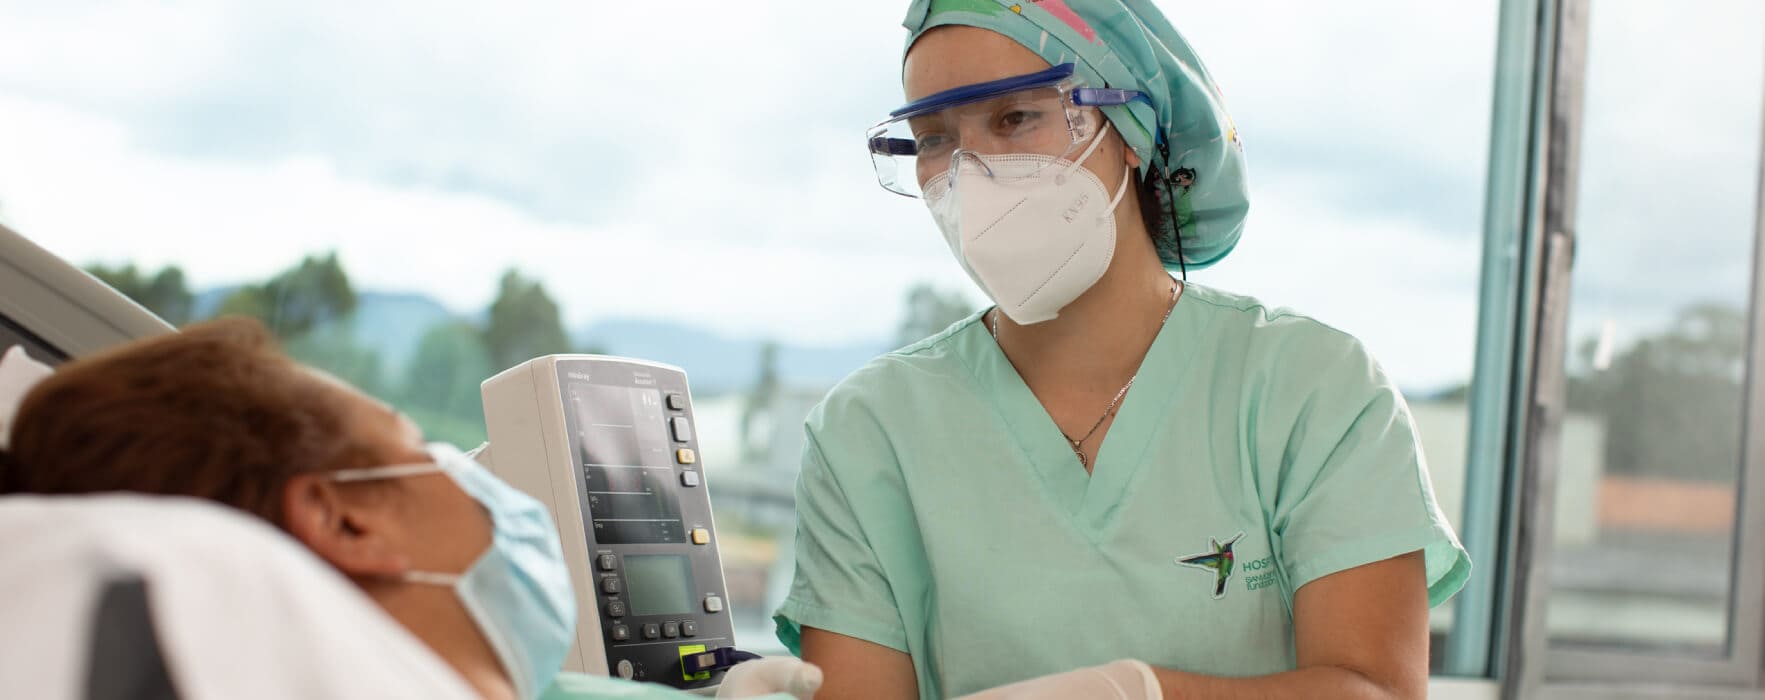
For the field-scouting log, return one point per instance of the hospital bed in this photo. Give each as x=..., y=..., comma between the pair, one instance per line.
x=112, y=596
x=652, y=595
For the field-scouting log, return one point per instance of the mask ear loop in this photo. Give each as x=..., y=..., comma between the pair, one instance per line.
x=1096, y=140
x=392, y=471
x=1127, y=177
x=431, y=578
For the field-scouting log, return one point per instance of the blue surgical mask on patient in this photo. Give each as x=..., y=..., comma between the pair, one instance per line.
x=518, y=591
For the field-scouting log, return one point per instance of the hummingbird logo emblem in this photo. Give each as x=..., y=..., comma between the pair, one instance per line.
x=1219, y=561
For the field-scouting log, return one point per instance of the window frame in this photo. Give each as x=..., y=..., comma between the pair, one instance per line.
x=63, y=307
x=1535, y=668
x=1506, y=299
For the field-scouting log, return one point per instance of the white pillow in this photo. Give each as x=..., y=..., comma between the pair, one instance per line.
x=18, y=373
x=239, y=609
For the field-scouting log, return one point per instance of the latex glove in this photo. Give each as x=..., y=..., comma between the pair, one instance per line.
x=1126, y=680
x=773, y=674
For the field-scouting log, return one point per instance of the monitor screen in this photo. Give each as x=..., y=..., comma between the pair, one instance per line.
x=660, y=584
x=627, y=467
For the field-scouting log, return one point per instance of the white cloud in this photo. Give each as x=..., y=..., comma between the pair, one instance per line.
x=112, y=55
x=228, y=222
x=1669, y=165
x=696, y=163
x=1377, y=76
x=1408, y=293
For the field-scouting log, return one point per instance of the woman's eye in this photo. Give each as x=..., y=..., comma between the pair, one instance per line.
x=1019, y=118
x=929, y=142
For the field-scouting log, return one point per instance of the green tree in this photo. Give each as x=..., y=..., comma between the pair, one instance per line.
x=297, y=300
x=308, y=307
x=1672, y=401
x=524, y=323
x=930, y=311
x=445, y=372
x=441, y=384
x=333, y=348
x=165, y=293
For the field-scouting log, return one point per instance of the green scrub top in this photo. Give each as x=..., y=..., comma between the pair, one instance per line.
x=581, y=686
x=941, y=512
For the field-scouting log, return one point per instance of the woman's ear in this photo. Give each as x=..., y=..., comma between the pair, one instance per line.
x=352, y=534
x=1131, y=156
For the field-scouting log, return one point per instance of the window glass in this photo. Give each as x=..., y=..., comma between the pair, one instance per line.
x=419, y=197
x=1658, y=326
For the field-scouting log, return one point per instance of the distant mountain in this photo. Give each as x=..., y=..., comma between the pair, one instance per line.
x=209, y=301
x=393, y=324
x=717, y=364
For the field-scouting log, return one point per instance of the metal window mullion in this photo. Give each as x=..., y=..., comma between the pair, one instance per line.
x=1503, y=337
x=1596, y=691
x=1570, y=666
x=1533, y=493
x=1747, y=594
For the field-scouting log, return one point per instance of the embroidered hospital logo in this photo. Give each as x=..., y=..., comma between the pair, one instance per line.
x=1219, y=561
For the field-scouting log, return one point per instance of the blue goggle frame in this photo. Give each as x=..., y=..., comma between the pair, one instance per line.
x=1081, y=97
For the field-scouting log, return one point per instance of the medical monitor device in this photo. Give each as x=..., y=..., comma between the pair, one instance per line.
x=57, y=311
x=607, y=443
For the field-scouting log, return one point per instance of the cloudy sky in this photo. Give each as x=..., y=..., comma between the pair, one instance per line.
x=700, y=161
x=1670, y=162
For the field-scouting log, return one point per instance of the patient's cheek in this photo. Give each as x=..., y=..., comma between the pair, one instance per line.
x=458, y=529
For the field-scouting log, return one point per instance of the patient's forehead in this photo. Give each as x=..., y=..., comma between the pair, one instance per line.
x=332, y=381
x=373, y=421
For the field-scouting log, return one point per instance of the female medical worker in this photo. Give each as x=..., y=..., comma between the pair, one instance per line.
x=1109, y=463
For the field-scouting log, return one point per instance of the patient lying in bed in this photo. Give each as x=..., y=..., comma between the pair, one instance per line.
x=217, y=412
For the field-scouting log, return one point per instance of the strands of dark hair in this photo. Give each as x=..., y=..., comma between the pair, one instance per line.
x=1158, y=204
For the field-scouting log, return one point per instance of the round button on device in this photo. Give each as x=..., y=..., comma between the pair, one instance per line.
x=626, y=670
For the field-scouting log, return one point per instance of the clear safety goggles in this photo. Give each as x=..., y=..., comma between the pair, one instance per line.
x=1049, y=112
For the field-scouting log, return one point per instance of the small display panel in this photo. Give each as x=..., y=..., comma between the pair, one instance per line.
x=661, y=584
x=626, y=465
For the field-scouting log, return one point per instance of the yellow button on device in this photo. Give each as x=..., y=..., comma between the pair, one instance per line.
x=701, y=536
x=685, y=455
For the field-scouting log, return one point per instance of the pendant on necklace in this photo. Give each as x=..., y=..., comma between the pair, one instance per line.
x=1080, y=453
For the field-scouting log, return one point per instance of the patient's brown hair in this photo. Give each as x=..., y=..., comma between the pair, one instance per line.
x=215, y=411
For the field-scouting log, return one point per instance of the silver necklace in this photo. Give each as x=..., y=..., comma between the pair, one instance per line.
x=1078, y=449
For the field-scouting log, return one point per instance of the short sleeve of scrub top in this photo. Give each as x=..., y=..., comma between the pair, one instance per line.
x=941, y=513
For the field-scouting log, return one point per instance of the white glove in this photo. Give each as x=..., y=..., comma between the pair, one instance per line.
x=1125, y=680
x=773, y=674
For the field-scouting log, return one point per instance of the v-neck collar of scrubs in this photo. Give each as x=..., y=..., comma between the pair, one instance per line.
x=1090, y=501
